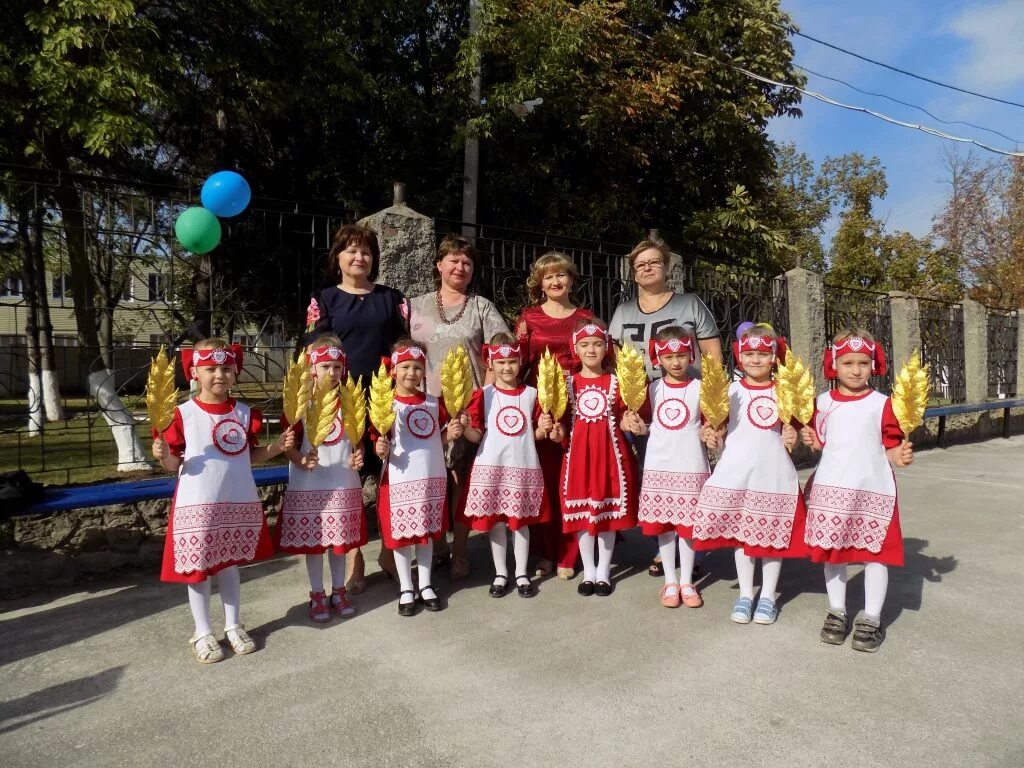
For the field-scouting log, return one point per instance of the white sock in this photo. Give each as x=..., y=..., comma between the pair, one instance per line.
x=403, y=564
x=499, y=549
x=424, y=564
x=315, y=569
x=337, y=563
x=229, y=583
x=587, y=556
x=605, y=547
x=199, y=604
x=771, y=569
x=521, y=549
x=835, y=585
x=686, y=558
x=876, y=583
x=745, y=573
x=667, y=550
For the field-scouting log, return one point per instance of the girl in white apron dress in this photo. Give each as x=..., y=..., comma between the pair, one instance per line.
x=323, y=505
x=676, y=464
x=411, y=502
x=505, y=491
x=752, y=500
x=852, y=510
x=216, y=520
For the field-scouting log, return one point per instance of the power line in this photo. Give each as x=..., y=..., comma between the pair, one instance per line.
x=794, y=31
x=908, y=104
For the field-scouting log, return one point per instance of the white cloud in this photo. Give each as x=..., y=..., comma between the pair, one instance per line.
x=994, y=33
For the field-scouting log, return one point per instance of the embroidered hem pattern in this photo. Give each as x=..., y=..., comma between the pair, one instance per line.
x=757, y=518
x=326, y=518
x=847, y=518
x=206, y=535
x=416, y=507
x=509, y=491
x=670, y=497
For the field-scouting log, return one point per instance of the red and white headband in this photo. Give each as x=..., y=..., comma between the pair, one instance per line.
x=753, y=343
x=326, y=354
x=502, y=352
x=589, y=331
x=853, y=345
x=210, y=358
x=404, y=354
x=655, y=348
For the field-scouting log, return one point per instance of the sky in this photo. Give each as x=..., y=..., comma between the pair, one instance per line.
x=976, y=45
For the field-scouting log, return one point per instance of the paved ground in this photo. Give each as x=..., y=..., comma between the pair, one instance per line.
x=104, y=678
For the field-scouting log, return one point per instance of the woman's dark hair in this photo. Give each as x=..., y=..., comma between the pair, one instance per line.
x=351, y=234
x=455, y=244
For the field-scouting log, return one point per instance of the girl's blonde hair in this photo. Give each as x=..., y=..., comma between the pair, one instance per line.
x=325, y=340
x=853, y=331
x=213, y=342
x=552, y=261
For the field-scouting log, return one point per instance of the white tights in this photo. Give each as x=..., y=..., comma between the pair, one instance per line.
x=771, y=569
x=229, y=582
x=499, y=549
x=876, y=584
x=424, y=554
x=601, y=570
x=667, y=548
x=315, y=569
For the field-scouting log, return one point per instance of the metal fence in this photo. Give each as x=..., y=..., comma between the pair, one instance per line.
x=942, y=348
x=849, y=308
x=1002, y=352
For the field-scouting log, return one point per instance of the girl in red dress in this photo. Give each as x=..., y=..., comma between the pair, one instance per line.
x=322, y=511
x=548, y=324
x=599, y=475
x=216, y=520
x=852, y=511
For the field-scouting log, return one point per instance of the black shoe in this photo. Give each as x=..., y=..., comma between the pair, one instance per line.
x=499, y=590
x=406, y=609
x=525, y=586
x=433, y=603
x=836, y=625
x=586, y=588
x=698, y=573
x=867, y=635
x=603, y=589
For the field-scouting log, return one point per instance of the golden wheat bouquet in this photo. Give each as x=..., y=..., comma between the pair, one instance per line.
x=161, y=394
x=910, y=394
x=353, y=408
x=547, y=386
x=298, y=388
x=456, y=380
x=382, y=401
x=632, y=376
x=322, y=413
x=794, y=390
x=714, y=391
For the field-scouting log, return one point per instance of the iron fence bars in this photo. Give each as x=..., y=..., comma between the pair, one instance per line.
x=1002, y=352
x=849, y=308
x=942, y=348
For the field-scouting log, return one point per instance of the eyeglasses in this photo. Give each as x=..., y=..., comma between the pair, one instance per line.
x=642, y=266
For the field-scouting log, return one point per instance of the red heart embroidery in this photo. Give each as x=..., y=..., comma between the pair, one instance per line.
x=592, y=404
x=765, y=412
x=421, y=424
x=511, y=420
x=672, y=413
x=234, y=437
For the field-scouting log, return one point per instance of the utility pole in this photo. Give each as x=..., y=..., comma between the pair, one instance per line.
x=471, y=162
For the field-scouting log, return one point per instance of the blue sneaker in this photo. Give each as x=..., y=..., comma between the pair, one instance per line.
x=766, y=612
x=741, y=610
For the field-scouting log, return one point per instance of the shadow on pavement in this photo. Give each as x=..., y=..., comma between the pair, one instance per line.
x=57, y=699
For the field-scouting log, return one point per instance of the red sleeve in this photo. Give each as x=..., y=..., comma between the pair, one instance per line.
x=442, y=413
x=892, y=432
x=475, y=409
x=522, y=329
x=373, y=433
x=255, y=427
x=645, y=409
x=174, y=435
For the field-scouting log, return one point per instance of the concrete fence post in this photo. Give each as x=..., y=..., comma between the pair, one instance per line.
x=905, y=316
x=1020, y=353
x=975, y=350
x=407, y=247
x=805, y=291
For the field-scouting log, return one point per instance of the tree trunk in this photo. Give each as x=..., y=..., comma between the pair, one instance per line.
x=98, y=376
x=36, y=418
x=50, y=383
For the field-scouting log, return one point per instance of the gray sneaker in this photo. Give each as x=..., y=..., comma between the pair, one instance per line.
x=867, y=634
x=834, y=630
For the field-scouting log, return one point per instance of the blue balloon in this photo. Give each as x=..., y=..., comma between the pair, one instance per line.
x=226, y=194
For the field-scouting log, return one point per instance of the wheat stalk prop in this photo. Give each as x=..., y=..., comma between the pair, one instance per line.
x=547, y=386
x=322, y=413
x=353, y=408
x=161, y=394
x=382, y=401
x=298, y=388
x=632, y=376
x=714, y=391
x=794, y=390
x=456, y=380
x=910, y=394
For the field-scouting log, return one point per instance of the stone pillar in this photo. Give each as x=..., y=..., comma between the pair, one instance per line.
x=905, y=316
x=976, y=350
x=806, y=300
x=1020, y=353
x=407, y=247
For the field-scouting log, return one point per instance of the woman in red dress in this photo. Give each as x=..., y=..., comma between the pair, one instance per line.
x=548, y=324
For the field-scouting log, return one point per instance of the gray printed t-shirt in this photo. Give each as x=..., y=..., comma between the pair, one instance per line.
x=630, y=324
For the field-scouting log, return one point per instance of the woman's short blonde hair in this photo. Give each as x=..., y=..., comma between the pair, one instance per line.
x=552, y=261
x=647, y=245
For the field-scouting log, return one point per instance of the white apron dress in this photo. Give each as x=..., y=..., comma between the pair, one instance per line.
x=676, y=463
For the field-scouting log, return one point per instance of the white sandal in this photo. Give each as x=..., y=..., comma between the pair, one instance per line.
x=206, y=649
x=240, y=641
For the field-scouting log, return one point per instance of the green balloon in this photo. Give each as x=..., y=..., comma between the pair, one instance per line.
x=198, y=230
